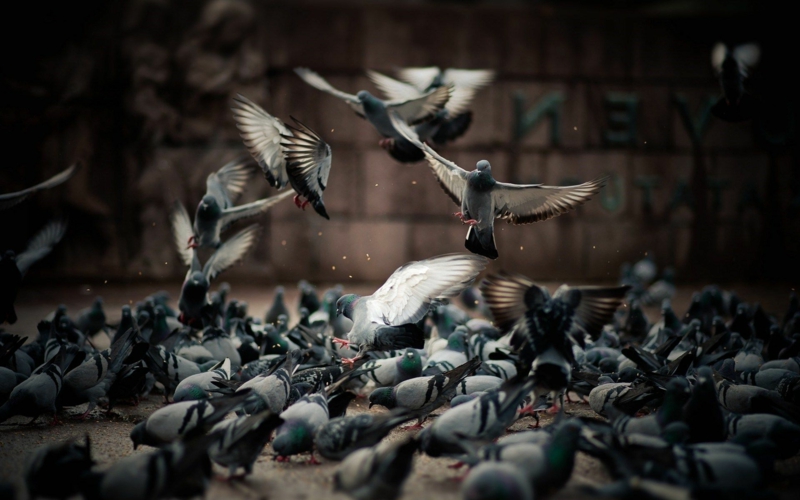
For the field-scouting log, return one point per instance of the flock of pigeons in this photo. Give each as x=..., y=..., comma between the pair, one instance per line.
x=695, y=404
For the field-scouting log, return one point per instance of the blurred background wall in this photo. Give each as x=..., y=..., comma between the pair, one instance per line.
x=140, y=91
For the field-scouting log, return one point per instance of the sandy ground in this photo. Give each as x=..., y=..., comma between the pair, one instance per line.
x=431, y=478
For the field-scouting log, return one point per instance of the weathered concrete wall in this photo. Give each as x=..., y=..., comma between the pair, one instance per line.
x=143, y=97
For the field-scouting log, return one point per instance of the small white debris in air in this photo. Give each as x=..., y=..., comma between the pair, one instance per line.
x=594, y=246
x=106, y=281
x=283, y=242
x=319, y=233
x=351, y=275
x=574, y=128
x=376, y=185
x=166, y=263
x=333, y=267
x=520, y=247
x=413, y=182
x=344, y=257
x=331, y=130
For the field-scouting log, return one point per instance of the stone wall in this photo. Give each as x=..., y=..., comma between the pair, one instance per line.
x=142, y=91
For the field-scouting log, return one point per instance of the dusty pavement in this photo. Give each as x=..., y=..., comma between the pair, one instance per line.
x=431, y=478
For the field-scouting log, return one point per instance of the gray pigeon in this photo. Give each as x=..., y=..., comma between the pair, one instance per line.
x=241, y=440
x=277, y=308
x=170, y=369
x=781, y=432
x=220, y=344
x=496, y=481
x=286, y=153
x=8, y=200
x=478, y=383
x=216, y=210
x=454, y=354
x=343, y=435
x=56, y=470
x=13, y=267
x=376, y=473
x=200, y=385
x=388, y=318
x=410, y=110
x=271, y=390
x=300, y=424
x=391, y=371
x=483, y=199
x=169, y=423
x=733, y=66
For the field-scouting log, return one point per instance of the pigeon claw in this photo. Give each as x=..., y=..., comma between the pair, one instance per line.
x=341, y=342
x=456, y=465
x=351, y=362
x=414, y=427
x=460, y=215
x=313, y=461
x=470, y=222
x=553, y=410
x=386, y=143
x=192, y=243
x=282, y=459
x=299, y=203
x=55, y=421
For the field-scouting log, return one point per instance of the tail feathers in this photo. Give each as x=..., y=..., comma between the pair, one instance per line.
x=404, y=151
x=453, y=128
x=474, y=245
x=400, y=337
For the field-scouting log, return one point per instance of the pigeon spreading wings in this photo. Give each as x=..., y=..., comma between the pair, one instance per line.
x=413, y=109
x=516, y=203
x=41, y=245
x=287, y=154
x=8, y=200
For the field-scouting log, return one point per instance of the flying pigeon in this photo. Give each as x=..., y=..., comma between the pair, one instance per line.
x=13, y=267
x=288, y=154
x=483, y=199
x=410, y=110
x=733, y=65
x=216, y=210
x=387, y=319
x=8, y=200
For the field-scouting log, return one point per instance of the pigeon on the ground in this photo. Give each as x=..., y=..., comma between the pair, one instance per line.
x=733, y=66
x=482, y=199
x=56, y=470
x=376, y=473
x=388, y=318
x=412, y=111
x=241, y=440
x=300, y=424
x=496, y=481
x=216, y=211
x=200, y=385
x=13, y=267
x=8, y=200
x=271, y=390
x=391, y=371
x=277, y=308
x=342, y=436
x=287, y=154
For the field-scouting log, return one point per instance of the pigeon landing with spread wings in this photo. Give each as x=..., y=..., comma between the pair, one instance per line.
x=412, y=110
x=482, y=198
x=287, y=154
x=194, y=292
x=541, y=325
x=388, y=318
x=13, y=267
x=216, y=210
x=449, y=123
x=8, y=200
x=732, y=66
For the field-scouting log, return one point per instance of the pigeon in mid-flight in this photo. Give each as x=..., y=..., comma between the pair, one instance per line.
x=216, y=210
x=732, y=66
x=8, y=200
x=483, y=199
x=450, y=122
x=412, y=110
x=388, y=318
x=194, y=301
x=287, y=154
x=13, y=267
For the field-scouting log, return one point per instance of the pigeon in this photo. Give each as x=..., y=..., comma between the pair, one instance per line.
x=483, y=199
x=8, y=200
x=55, y=470
x=287, y=154
x=448, y=123
x=179, y=470
x=92, y=319
x=200, y=385
x=702, y=412
x=733, y=65
x=38, y=394
x=387, y=319
x=194, y=302
x=423, y=394
x=241, y=440
x=671, y=410
x=391, y=371
x=343, y=435
x=300, y=424
x=271, y=391
x=376, y=473
x=478, y=383
x=216, y=210
x=170, y=369
x=542, y=325
x=454, y=354
x=277, y=308
x=169, y=423
x=13, y=267
x=220, y=344
x=412, y=110
x=781, y=432
x=496, y=481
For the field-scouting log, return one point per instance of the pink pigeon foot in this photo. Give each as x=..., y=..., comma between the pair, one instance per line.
x=470, y=222
x=414, y=427
x=313, y=461
x=282, y=459
x=456, y=465
x=341, y=342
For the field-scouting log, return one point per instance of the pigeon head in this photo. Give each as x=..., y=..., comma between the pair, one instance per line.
x=382, y=396
x=561, y=452
x=344, y=306
x=187, y=392
x=676, y=433
x=139, y=434
x=363, y=95
x=457, y=341
x=293, y=437
x=208, y=206
x=484, y=166
x=411, y=363
x=196, y=286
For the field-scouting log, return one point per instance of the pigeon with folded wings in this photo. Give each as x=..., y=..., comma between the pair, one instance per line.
x=288, y=154
x=388, y=318
x=483, y=199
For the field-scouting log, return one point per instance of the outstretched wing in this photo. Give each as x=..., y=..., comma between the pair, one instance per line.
x=509, y=296
x=526, y=203
x=231, y=251
x=233, y=177
x=407, y=294
x=421, y=78
x=41, y=244
x=8, y=200
x=394, y=90
x=419, y=109
x=181, y=232
x=250, y=209
x=594, y=306
x=319, y=83
x=261, y=133
x=308, y=163
x=451, y=177
x=466, y=83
